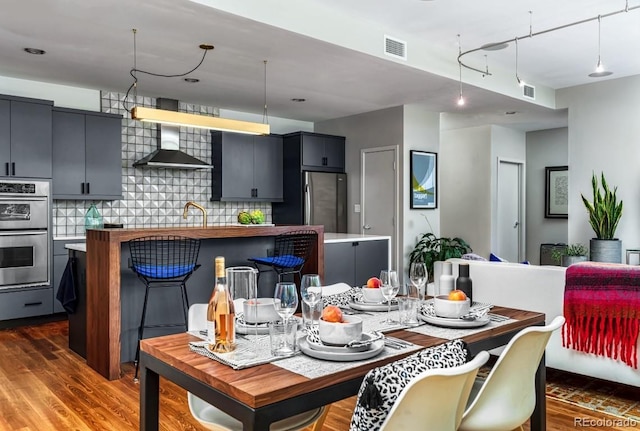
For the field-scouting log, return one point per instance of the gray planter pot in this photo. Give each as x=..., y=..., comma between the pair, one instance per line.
x=606, y=250
x=570, y=260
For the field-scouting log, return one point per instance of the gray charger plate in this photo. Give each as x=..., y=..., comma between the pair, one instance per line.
x=341, y=349
x=375, y=349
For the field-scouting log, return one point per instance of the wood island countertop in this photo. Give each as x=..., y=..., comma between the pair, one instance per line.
x=103, y=280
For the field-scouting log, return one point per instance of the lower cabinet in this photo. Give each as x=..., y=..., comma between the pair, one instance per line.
x=60, y=259
x=25, y=302
x=354, y=262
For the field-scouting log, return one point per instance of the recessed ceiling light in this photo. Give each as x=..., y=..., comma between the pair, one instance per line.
x=494, y=46
x=298, y=99
x=191, y=80
x=35, y=51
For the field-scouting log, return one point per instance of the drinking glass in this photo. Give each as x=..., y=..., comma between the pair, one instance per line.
x=311, y=293
x=243, y=283
x=389, y=289
x=418, y=276
x=286, y=296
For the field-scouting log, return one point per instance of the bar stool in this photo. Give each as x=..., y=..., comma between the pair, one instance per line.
x=290, y=253
x=163, y=261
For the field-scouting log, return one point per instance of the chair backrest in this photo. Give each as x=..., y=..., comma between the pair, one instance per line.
x=164, y=256
x=197, y=317
x=507, y=398
x=294, y=248
x=435, y=399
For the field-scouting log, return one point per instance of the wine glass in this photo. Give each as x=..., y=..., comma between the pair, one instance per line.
x=311, y=293
x=286, y=299
x=418, y=276
x=389, y=289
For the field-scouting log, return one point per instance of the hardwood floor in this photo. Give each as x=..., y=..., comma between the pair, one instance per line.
x=46, y=386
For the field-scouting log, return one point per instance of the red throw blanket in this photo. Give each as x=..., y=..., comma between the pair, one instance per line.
x=602, y=309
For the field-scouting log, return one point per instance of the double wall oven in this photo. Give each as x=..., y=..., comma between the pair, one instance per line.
x=24, y=233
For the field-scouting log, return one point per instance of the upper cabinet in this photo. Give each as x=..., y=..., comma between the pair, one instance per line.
x=318, y=152
x=25, y=137
x=246, y=167
x=87, y=155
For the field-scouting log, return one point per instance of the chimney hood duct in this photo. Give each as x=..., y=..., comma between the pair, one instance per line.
x=168, y=154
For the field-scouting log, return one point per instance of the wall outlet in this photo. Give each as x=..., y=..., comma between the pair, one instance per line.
x=356, y=208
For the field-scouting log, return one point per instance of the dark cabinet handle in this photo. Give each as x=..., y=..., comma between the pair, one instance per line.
x=88, y=192
x=256, y=193
x=355, y=244
x=82, y=186
x=13, y=168
x=6, y=168
x=32, y=304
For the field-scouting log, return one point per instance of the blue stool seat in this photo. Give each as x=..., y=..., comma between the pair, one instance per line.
x=286, y=261
x=163, y=271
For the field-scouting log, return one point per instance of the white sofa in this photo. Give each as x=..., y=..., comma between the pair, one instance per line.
x=539, y=288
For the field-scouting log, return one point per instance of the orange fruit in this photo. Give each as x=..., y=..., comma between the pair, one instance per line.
x=457, y=295
x=331, y=313
x=374, y=282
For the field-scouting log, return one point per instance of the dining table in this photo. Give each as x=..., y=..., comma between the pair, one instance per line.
x=260, y=395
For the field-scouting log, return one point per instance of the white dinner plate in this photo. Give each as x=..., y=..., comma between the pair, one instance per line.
x=375, y=348
x=341, y=349
x=454, y=323
x=262, y=328
x=372, y=306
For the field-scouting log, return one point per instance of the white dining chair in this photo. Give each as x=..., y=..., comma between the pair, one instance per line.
x=434, y=399
x=215, y=419
x=507, y=397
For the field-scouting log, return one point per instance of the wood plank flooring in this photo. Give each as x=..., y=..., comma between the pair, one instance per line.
x=46, y=386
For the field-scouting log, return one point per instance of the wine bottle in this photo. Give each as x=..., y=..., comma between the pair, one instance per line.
x=463, y=282
x=221, y=313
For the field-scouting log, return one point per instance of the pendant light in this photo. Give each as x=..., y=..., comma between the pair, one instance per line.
x=600, y=71
x=521, y=83
x=460, y=98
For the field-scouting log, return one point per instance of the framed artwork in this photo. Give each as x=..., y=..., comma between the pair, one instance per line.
x=556, y=201
x=424, y=176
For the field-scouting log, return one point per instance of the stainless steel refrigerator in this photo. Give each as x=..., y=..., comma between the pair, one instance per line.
x=314, y=198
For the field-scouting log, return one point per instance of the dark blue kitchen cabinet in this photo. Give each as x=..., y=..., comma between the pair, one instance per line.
x=25, y=137
x=318, y=152
x=246, y=168
x=354, y=262
x=87, y=156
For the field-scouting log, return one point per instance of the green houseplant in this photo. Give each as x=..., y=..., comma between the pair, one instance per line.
x=605, y=211
x=430, y=249
x=570, y=254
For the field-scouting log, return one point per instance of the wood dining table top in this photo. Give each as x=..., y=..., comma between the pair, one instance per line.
x=268, y=383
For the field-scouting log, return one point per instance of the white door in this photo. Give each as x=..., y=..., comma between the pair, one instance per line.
x=379, y=195
x=510, y=211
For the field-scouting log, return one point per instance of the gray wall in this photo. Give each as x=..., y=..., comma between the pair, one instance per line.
x=604, y=136
x=544, y=148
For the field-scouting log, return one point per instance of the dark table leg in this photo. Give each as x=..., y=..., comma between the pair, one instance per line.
x=149, y=397
x=539, y=416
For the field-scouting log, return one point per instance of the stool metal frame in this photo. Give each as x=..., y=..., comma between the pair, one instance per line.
x=162, y=261
x=290, y=253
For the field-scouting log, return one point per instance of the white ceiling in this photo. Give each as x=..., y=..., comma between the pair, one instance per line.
x=90, y=44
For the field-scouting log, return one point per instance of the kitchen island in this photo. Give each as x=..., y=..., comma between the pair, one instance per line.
x=114, y=295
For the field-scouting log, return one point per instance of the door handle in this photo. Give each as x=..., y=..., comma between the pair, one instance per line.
x=516, y=224
x=366, y=227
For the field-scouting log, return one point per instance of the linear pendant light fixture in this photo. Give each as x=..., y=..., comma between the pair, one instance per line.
x=173, y=118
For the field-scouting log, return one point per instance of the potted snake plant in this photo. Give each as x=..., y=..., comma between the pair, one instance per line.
x=605, y=211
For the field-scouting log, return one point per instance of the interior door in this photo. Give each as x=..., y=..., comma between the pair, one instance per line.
x=509, y=211
x=379, y=195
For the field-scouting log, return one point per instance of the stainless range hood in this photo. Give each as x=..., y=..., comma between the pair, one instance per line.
x=168, y=154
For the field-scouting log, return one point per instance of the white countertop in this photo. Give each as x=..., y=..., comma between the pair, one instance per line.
x=69, y=238
x=350, y=237
x=77, y=247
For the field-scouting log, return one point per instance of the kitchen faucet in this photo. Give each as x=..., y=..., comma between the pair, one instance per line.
x=200, y=207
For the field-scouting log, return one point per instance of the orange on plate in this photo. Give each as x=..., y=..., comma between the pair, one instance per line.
x=457, y=295
x=331, y=313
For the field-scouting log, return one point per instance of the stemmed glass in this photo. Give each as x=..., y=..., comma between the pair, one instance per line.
x=286, y=299
x=418, y=276
x=311, y=293
x=389, y=289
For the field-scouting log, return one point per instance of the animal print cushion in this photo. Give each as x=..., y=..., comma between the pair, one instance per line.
x=381, y=386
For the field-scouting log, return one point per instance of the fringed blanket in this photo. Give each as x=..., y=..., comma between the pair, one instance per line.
x=602, y=308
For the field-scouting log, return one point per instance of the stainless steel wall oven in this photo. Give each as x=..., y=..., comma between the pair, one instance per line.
x=24, y=233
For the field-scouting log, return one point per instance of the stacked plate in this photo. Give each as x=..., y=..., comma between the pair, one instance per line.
x=319, y=350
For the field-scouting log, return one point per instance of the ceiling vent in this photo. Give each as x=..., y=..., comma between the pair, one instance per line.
x=395, y=48
x=529, y=91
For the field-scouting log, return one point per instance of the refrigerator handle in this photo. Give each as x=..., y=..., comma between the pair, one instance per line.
x=307, y=200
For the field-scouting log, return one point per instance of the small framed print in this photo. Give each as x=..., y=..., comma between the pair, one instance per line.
x=423, y=181
x=556, y=203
